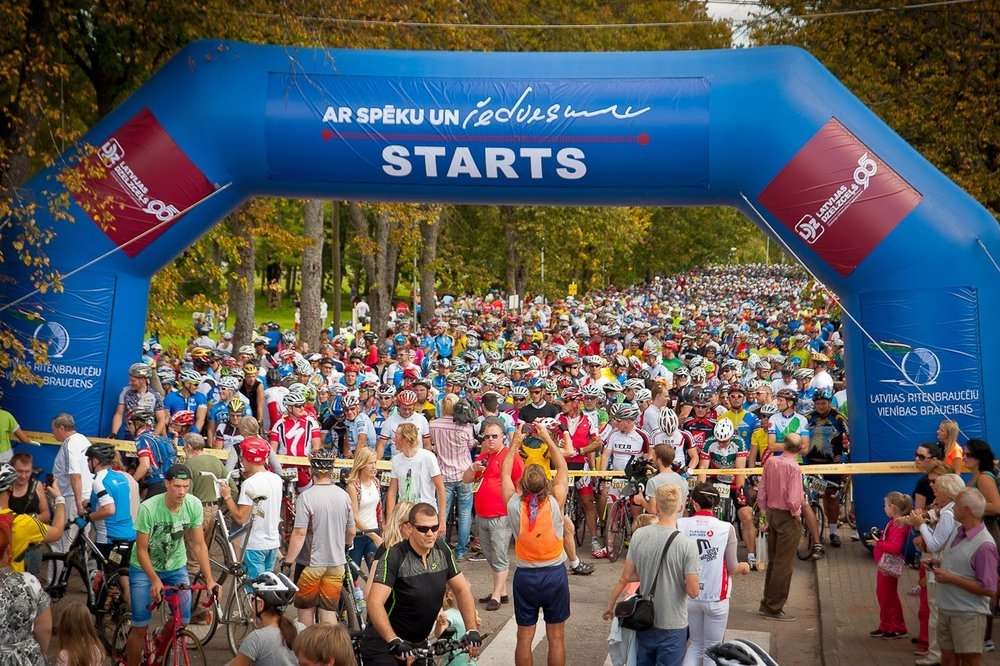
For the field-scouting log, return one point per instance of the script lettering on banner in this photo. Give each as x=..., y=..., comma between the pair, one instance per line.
x=520, y=133
x=921, y=369
x=839, y=197
x=138, y=183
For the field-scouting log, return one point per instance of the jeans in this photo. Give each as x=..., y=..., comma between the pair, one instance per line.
x=660, y=647
x=463, y=491
x=141, y=592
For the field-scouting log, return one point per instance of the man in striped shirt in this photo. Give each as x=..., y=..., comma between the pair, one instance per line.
x=780, y=496
x=453, y=443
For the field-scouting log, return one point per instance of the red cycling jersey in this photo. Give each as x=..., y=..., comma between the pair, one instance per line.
x=296, y=437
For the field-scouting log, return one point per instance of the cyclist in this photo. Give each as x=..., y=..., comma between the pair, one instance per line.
x=727, y=450
x=156, y=454
x=111, y=512
x=324, y=510
x=296, y=434
x=685, y=450
x=258, y=482
x=623, y=441
x=405, y=413
x=159, y=557
x=408, y=592
x=702, y=422
x=585, y=440
x=25, y=529
x=360, y=431
x=139, y=395
x=188, y=397
x=827, y=444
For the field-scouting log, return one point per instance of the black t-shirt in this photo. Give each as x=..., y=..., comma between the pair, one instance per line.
x=417, y=590
x=529, y=412
x=924, y=488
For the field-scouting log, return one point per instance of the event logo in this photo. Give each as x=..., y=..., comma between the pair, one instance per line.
x=920, y=366
x=838, y=197
x=144, y=184
x=54, y=336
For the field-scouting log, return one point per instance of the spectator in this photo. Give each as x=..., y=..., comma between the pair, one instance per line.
x=709, y=613
x=366, y=497
x=889, y=546
x=9, y=427
x=536, y=520
x=271, y=641
x=453, y=443
x=966, y=581
x=780, y=497
x=397, y=528
x=27, y=625
x=979, y=458
x=947, y=437
x=663, y=455
x=491, y=511
x=261, y=548
x=72, y=474
x=932, y=541
x=78, y=641
x=324, y=645
x=204, y=488
x=27, y=495
x=926, y=456
x=667, y=563
x=415, y=475
x=936, y=470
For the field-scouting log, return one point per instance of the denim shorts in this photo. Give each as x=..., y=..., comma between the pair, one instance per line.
x=257, y=562
x=140, y=591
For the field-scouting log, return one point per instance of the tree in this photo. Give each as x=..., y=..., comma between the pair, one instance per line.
x=241, y=280
x=430, y=230
x=312, y=275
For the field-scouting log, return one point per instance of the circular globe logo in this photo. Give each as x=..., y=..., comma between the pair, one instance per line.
x=55, y=336
x=921, y=366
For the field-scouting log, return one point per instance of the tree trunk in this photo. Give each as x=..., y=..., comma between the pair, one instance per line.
x=513, y=261
x=430, y=231
x=337, y=268
x=241, y=284
x=312, y=275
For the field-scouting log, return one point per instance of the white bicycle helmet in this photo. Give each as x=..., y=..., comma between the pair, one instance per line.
x=8, y=475
x=627, y=412
x=519, y=392
x=724, y=430
x=592, y=391
x=276, y=590
x=643, y=395
x=293, y=399
x=668, y=421
x=698, y=375
x=230, y=382
x=190, y=377
x=739, y=652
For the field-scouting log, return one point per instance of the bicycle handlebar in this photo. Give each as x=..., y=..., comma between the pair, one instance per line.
x=441, y=646
x=170, y=591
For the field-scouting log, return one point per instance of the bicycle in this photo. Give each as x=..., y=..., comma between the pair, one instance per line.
x=289, y=479
x=574, y=509
x=618, y=521
x=238, y=611
x=815, y=487
x=104, y=594
x=172, y=643
x=352, y=608
x=426, y=653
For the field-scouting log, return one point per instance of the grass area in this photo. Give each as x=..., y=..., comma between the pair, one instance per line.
x=284, y=315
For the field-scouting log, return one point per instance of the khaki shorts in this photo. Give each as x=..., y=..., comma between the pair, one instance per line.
x=319, y=587
x=961, y=633
x=494, y=539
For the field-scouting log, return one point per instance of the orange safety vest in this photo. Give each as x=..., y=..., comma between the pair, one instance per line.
x=539, y=543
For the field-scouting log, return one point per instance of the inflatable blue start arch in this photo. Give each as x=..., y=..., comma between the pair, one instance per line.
x=769, y=131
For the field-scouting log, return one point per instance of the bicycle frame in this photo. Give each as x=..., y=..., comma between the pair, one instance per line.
x=157, y=644
x=77, y=552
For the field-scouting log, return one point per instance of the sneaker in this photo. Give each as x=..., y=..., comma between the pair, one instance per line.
x=582, y=569
x=835, y=540
x=989, y=646
x=893, y=635
x=476, y=557
x=600, y=553
x=818, y=551
x=780, y=616
x=927, y=661
x=920, y=653
x=752, y=561
x=878, y=633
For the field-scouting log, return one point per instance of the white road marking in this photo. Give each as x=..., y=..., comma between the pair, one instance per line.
x=500, y=651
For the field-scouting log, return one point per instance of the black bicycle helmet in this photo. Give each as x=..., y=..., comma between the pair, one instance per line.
x=103, y=453
x=323, y=460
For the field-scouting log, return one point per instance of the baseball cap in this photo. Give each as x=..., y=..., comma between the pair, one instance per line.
x=178, y=471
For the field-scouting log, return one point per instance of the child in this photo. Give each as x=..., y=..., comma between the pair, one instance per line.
x=621, y=642
x=450, y=621
x=271, y=641
x=891, y=625
x=78, y=642
x=324, y=645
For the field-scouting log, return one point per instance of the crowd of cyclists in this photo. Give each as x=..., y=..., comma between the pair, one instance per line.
x=705, y=370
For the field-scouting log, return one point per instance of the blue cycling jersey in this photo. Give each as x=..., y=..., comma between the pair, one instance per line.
x=110, y=487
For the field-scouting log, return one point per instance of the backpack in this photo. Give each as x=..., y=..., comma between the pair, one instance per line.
x=164, y=452
x=465, y=412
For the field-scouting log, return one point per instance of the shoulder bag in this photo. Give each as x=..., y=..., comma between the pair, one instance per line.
x=637, y=613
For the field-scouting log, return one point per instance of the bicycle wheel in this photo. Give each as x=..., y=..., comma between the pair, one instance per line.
x=239, y=616
x=347, y=611
x=119, y=637
x=804, y=551
x=204, y=621
x=579, y=518
x=76, y=581
x=614, y=537
x=820, y=520
x=185, y=650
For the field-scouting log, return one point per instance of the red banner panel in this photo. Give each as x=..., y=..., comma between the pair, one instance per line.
x=145, y=184
x=839, y=197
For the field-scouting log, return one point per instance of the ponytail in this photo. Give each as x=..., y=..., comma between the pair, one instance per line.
x=288, y=631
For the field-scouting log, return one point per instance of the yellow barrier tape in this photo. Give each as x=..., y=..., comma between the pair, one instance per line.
x=346, y=463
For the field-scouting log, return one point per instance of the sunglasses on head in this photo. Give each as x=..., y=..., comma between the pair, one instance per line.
x=427, y=529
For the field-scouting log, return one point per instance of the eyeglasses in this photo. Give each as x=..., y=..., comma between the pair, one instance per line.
x=427, y=529
x=491, y=436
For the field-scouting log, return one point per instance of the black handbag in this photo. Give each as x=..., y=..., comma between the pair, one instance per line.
x=637, y=613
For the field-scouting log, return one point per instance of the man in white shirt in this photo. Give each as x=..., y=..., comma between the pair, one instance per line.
x=405, y=413
x=265, y=486
x=71, y=472
x=651, y=417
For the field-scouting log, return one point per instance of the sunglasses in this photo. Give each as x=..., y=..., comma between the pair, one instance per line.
x=491, y=436
x=920, y=456
x=519, y=399
x=427, y=529
x=535, y=391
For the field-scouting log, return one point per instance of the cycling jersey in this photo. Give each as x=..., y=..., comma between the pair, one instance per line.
x=176, y=402
x=622, y=447
x=112, y=488
x=682, y=441
x=826, y=435
x=273, y=398
x=782, y=424
x=744, y=422
x=153, y=448
x=581, y=430
x=701, y=428
x=294, y=437
x=723, y=455
x=712, y=537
